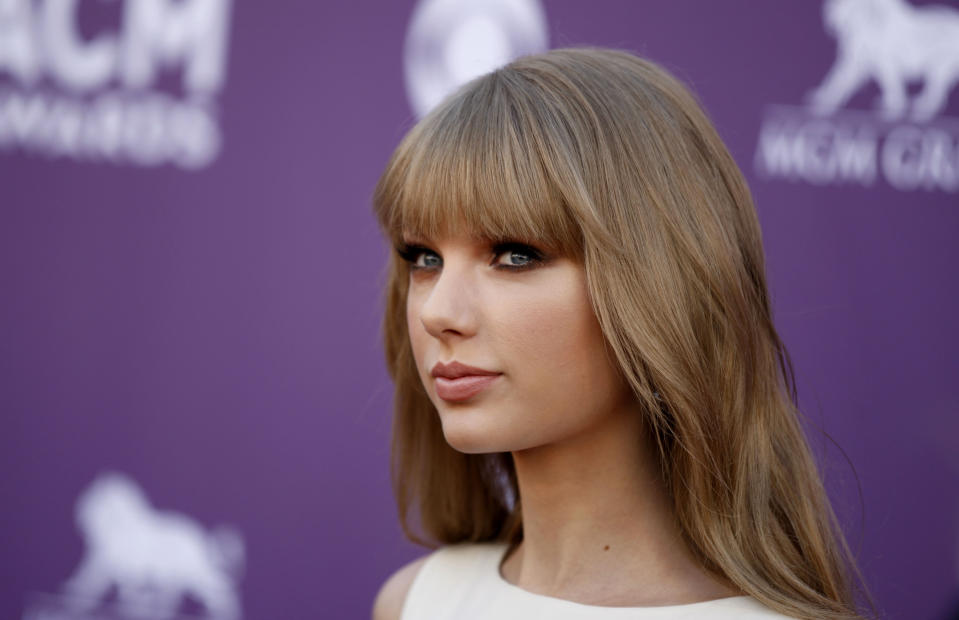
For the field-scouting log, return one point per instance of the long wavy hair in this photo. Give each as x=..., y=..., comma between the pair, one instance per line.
x=608, y=158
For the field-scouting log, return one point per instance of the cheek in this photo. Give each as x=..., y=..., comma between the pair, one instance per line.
x=411, y=312
x=414, y=327
x=557, y=347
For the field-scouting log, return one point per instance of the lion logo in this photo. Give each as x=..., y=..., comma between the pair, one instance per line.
x=893, y=43
x=153, y=559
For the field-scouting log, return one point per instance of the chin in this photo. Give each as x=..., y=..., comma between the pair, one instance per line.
x=472, y=433
x=469, y=433
x=470, y=441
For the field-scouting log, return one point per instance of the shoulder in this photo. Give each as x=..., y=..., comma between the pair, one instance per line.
x=443, y=574
x=389, y=600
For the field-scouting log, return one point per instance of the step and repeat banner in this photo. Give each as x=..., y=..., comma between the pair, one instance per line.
x=194, y=411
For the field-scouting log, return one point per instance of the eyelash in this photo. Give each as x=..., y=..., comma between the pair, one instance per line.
x=410, y=253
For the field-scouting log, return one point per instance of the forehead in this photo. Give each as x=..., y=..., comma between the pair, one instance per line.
x=466, y=239
x=461, y=195
x=475, y=168
x=496, y=227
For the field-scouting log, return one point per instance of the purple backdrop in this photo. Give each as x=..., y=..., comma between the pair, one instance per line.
x=203, y=316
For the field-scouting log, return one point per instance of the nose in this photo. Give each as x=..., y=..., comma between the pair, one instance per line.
x=448, y=308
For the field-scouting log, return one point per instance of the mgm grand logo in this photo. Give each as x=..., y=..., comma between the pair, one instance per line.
x=905, y=142
x=96, y=84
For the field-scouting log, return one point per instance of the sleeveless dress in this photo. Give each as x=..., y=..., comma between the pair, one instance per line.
x=463, y=582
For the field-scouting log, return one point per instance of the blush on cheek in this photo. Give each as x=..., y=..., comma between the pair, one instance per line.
x=417, y=336
x=558, y=327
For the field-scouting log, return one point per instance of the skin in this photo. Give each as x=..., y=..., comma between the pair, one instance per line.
x=598, y=523
x=534, y=325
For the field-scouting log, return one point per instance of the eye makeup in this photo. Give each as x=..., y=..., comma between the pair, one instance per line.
x=531, y=257
x=411, y=253
x=534, y=257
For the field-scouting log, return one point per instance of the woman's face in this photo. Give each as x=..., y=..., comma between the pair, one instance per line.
x=521, y=316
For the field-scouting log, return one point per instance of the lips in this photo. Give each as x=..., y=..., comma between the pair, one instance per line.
x=458, y=382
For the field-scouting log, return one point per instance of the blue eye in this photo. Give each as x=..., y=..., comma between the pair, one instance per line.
x=419, y=257
x=519, y=257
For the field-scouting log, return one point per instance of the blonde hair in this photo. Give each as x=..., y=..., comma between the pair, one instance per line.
x=605, y=156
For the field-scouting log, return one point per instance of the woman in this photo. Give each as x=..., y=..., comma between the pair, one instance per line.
x=594, y=412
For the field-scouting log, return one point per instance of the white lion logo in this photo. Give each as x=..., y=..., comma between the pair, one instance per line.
x=153, y=558
x=892, y=43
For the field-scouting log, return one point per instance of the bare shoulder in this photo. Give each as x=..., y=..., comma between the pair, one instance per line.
x=389, y=600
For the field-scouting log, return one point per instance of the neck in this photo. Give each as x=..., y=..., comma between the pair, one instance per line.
x=598, y=522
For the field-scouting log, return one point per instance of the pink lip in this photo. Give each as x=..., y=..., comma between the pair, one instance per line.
x=455, y=370
x=462, y=388
x=456, y=381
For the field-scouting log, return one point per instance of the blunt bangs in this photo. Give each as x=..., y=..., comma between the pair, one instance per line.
x=475, y=167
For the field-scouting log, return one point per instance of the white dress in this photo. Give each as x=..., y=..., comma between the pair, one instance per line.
x=463, y=582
